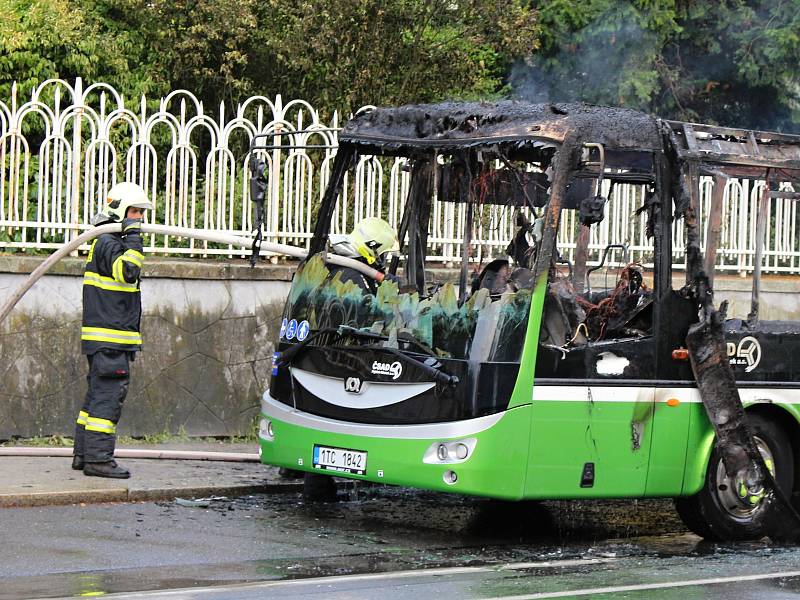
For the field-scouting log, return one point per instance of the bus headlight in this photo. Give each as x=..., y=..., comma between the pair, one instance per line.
x=449, y=452
x=265, y=430
x=462, y=451
x=441, y=452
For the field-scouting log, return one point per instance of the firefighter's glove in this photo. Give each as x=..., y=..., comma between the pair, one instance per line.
x=131, y=226
x=132, y=234
x=391, y=277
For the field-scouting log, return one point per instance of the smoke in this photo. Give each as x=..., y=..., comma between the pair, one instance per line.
x=609, y=61
x=711, y=65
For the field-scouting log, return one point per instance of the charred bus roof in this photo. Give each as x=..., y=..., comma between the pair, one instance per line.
x=464, y=124
x=453, y=125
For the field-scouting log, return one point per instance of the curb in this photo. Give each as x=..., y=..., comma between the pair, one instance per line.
x=229, y=491
x=61, y=498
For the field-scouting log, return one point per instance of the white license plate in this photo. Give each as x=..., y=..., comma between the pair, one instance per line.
x=340, y=459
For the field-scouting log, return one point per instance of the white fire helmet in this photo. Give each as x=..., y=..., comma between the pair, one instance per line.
x=123, y=196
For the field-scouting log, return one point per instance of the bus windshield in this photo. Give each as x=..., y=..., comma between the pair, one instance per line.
x=470, y=204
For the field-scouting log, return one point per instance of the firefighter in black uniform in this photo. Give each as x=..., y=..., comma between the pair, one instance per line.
x=112, y=310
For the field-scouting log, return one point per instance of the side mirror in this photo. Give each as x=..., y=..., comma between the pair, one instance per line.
x=591, y=210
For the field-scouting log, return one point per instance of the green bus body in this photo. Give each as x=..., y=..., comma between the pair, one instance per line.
x=559, y=417
x=537, y=449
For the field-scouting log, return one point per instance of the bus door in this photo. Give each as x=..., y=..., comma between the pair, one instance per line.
x=592, y=437
x=594, y=396
x=594, y=388
x=677, y=405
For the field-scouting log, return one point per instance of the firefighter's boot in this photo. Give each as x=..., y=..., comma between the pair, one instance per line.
x=750, y=486
x=106, y=469
x=77, y=462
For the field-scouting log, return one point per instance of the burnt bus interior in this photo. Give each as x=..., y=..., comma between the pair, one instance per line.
x=513, y=176
x=607, y=329
x=631, y=329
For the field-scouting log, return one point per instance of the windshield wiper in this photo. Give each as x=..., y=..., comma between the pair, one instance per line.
x=346, y=330
x=287, y=355
x=430, y=365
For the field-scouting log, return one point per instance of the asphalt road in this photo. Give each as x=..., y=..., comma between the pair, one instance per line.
x=379, y=543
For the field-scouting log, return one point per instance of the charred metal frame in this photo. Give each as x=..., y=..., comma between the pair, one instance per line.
x=722, y=152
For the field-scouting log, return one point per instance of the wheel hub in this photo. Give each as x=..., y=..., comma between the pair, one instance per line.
x=738, y=498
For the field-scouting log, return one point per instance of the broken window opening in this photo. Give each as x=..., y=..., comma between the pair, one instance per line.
x=610, y=298
x=719, y=246
x=478, y=311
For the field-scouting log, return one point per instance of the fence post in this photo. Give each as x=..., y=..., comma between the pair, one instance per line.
x=276, y=178
x=72, y=233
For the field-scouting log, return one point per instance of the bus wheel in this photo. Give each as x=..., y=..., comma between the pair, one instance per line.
x=319, y=488
x=717, y=512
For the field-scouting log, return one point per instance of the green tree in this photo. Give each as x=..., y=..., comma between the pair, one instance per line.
x=347, y=53
x=38, y=40
x=203, y=46
x=735, y=63
x=43, y=39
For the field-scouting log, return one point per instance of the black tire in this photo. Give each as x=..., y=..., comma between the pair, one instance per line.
x=319, y=488
x=285, y=473
x=709, y=515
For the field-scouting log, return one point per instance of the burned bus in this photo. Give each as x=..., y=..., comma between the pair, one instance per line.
x=533, y=372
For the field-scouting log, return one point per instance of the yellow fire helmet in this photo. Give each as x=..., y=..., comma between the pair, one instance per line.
x=374, y=237
x=123, y=196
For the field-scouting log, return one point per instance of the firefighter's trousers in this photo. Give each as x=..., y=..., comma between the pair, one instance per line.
x=96, y=427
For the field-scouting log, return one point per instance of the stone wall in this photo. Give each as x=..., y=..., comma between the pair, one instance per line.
x=208, y=330
x=778, y=300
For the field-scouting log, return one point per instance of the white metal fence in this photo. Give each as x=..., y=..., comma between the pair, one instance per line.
x=64, y=148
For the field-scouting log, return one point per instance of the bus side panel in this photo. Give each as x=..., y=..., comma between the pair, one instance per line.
x=496, y=468
x=700, y=443
x=607, y=428
x=673, y=413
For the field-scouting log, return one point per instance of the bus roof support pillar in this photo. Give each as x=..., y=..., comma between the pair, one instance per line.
x=714, y=227
x=465, y=252
x=562, y=161
x=692, y=180
x=581, y=255
x=761, y=229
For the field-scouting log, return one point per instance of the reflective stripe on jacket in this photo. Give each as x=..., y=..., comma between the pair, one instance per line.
x=112, y=306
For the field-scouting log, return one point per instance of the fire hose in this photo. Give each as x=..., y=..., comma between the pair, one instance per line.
x=200, y=234
x=138, y=453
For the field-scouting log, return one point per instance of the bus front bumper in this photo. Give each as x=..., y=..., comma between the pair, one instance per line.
x=485, y=456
